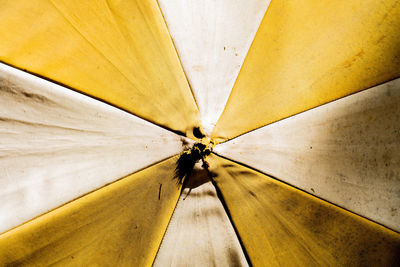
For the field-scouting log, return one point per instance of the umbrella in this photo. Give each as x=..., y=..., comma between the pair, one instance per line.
x=299, y=101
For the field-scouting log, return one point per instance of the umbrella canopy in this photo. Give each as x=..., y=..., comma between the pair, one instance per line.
x=298, y=99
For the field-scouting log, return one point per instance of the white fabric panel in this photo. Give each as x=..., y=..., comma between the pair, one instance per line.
x=56, y=144
x=200, y=232
x=346, y=152
x=212, y=39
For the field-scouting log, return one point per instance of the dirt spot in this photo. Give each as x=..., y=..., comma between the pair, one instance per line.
x=352, y=60
x=198, y=68
x=17, y=92
x=252, y=193
x=380, y=39
x=228, y=165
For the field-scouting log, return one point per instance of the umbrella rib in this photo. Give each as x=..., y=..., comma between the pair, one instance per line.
x=169, y=221
x=88, y=193
x=338, y=99
x=221, y=198
x=295, y=187
x=91, y=96
x=179, y=57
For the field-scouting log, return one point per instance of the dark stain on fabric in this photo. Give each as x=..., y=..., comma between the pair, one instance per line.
x=352, y=60
x=159, y=192
x=252, y=193
x=9, y=88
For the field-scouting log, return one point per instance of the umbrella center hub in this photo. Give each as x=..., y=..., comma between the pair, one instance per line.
x=187, y=160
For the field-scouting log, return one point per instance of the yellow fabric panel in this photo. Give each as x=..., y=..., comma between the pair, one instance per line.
x=283, y=226
x=307, y=53
x=121, y=224
x=117, y=51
